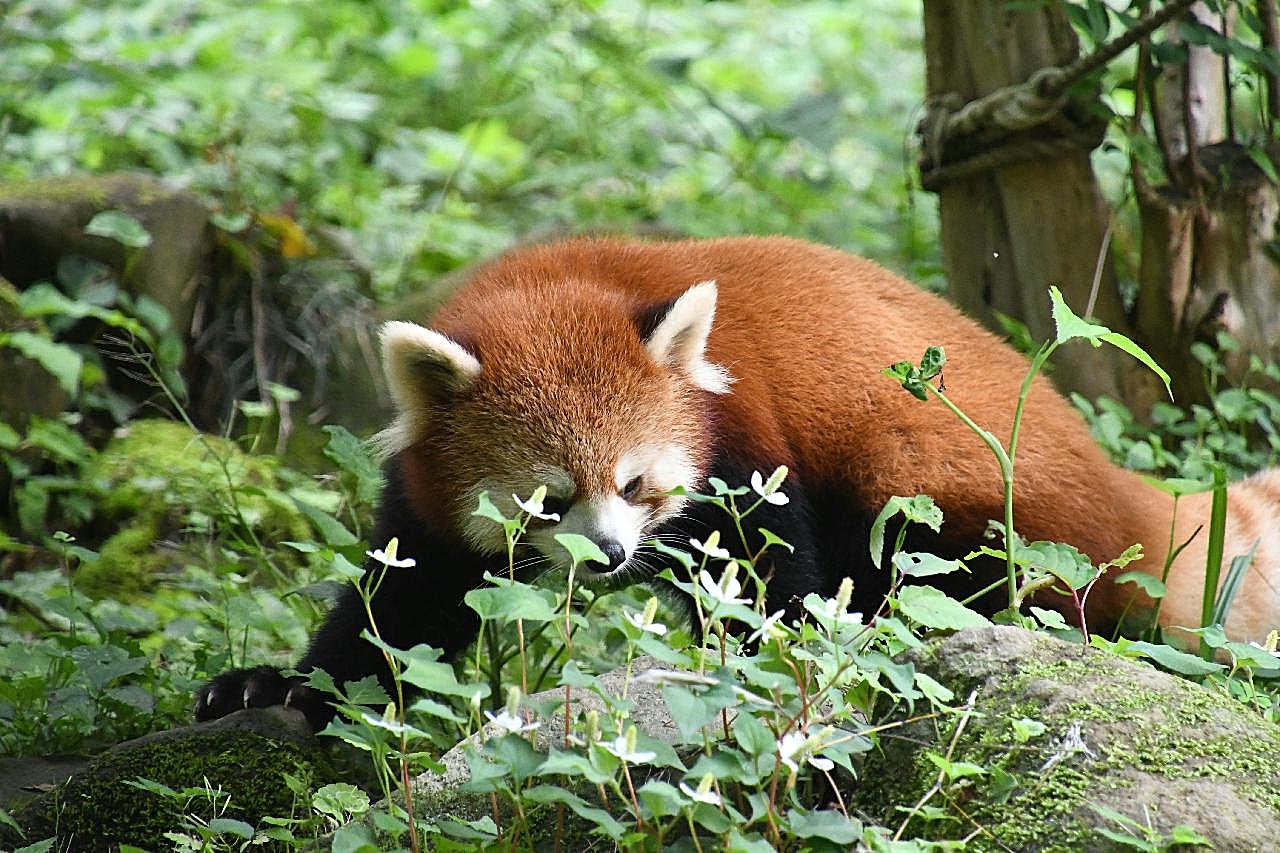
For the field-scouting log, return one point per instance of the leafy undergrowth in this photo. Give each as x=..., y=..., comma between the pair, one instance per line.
x=771, y=731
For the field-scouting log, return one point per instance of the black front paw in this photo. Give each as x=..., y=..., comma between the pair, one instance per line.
x=260, y=687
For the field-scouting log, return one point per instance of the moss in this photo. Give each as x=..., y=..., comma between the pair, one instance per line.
x=1140, y=728
x=162, y=477
x=127, y=563
x=97, y=190
x=97, y=810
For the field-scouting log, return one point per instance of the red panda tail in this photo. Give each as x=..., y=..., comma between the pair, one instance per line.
x=1253, y=524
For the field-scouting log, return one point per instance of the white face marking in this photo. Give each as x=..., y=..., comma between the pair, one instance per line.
x=607, y=519
x=663, y=467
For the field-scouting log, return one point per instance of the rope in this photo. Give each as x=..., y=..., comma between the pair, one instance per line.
x=1013, y=109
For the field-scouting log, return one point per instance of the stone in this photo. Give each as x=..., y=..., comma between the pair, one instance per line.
x=1118, y=734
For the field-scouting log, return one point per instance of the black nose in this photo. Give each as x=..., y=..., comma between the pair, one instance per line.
x=615, y=553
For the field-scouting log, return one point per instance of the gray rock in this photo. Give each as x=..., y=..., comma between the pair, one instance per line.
x=1119, y=735
x=649, y=714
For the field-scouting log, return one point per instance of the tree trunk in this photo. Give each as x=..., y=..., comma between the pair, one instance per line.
x=1038, y=219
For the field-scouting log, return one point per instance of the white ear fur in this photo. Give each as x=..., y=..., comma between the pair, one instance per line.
x=421, y=365
x=680, y=338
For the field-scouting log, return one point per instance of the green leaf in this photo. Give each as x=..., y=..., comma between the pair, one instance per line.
x=511, y=602
x=516, y=754
x=661, y=798
x=1024, y=729
x=330, y=529
x=920, y=509
x=426, y=671
x=908, y=376
x=231, y=826
x=61, y=360
x=1070, y=327
x=827, y=824
x=601, y=818
x=924, y=564
x=935, y=691
x=753, y=736
x=485, y=508
x=1121, y=342
x=934, y=609
x=1059, y=559
x=353, y=455
x=121, y=227
x=355, y=837
x=1179, y=662
x=1050, y=618
x=568, y=763
x=754, y=843
x=954, y=770
x=581, y=548
x=932, y=361
x=339, y=799
x=771, y=539
x=1152, y=586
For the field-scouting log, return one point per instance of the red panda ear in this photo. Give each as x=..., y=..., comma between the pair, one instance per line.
x=678, y=337
x=423, y=366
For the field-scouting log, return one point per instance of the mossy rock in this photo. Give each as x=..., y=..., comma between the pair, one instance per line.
x=159, y=477
x=244, y=756
x=1118, y=734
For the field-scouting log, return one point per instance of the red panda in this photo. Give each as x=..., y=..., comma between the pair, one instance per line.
x=612, y=371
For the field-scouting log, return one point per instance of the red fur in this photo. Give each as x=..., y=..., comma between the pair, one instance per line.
x=804, y=330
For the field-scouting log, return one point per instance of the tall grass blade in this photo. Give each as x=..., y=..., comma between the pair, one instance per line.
x=1213, y=559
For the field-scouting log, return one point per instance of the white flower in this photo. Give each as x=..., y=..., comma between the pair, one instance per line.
x=702, y=793
x=711, y=547
x=658, y=675
x=832, y=609
x=644, y=622
x=725, y=590
x=388, y=557
x=510, y=723
x=533, y=506
x=624, y=746
x=769, y=490
x=1262, y=647
x=767, y=628
x=795, y=745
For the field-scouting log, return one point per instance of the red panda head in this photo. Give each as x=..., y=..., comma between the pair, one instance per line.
x=571, y=386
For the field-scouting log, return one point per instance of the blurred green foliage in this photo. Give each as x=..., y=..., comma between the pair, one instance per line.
x=433, y=133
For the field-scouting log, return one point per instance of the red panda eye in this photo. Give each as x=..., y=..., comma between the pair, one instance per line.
x=632, y=488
